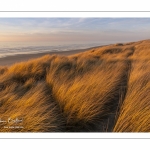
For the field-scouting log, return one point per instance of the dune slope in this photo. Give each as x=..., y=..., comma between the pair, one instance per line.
x=104, y=89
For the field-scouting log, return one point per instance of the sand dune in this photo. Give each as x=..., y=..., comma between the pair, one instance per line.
x=102, y=89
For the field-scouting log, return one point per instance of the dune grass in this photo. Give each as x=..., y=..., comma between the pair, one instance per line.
x=134, y=115
x=87, y=95
x=102, y=90
x=135, y=111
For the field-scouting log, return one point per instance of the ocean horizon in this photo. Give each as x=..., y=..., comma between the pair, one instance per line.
x=15, y=48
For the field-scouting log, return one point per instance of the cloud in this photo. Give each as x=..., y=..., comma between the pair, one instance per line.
x=74, y=28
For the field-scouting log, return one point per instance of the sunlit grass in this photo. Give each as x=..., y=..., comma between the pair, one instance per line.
x=104, y=89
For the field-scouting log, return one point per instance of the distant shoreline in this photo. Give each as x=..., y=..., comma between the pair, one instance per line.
x=10, y=60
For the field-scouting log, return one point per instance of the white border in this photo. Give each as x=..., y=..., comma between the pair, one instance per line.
x=74, y=14
x=71, y=135
x=74, y=5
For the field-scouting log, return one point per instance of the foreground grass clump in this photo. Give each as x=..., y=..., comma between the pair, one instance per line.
x=89, y=97
x=36, y=107
x=101, y=90
x=25, y=94
x=135, y=111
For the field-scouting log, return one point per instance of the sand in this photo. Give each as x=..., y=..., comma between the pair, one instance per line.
x=9, y=60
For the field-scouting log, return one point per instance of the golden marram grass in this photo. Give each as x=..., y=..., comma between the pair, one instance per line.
x=105, y=89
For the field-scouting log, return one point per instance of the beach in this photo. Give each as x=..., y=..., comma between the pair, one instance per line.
x=9, y=60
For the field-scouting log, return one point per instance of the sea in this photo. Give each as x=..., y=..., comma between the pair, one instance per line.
x=15, y=48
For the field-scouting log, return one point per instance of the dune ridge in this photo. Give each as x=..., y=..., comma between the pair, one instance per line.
x=104, y=89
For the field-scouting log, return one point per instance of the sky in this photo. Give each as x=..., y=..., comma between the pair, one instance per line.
x=74, y=29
